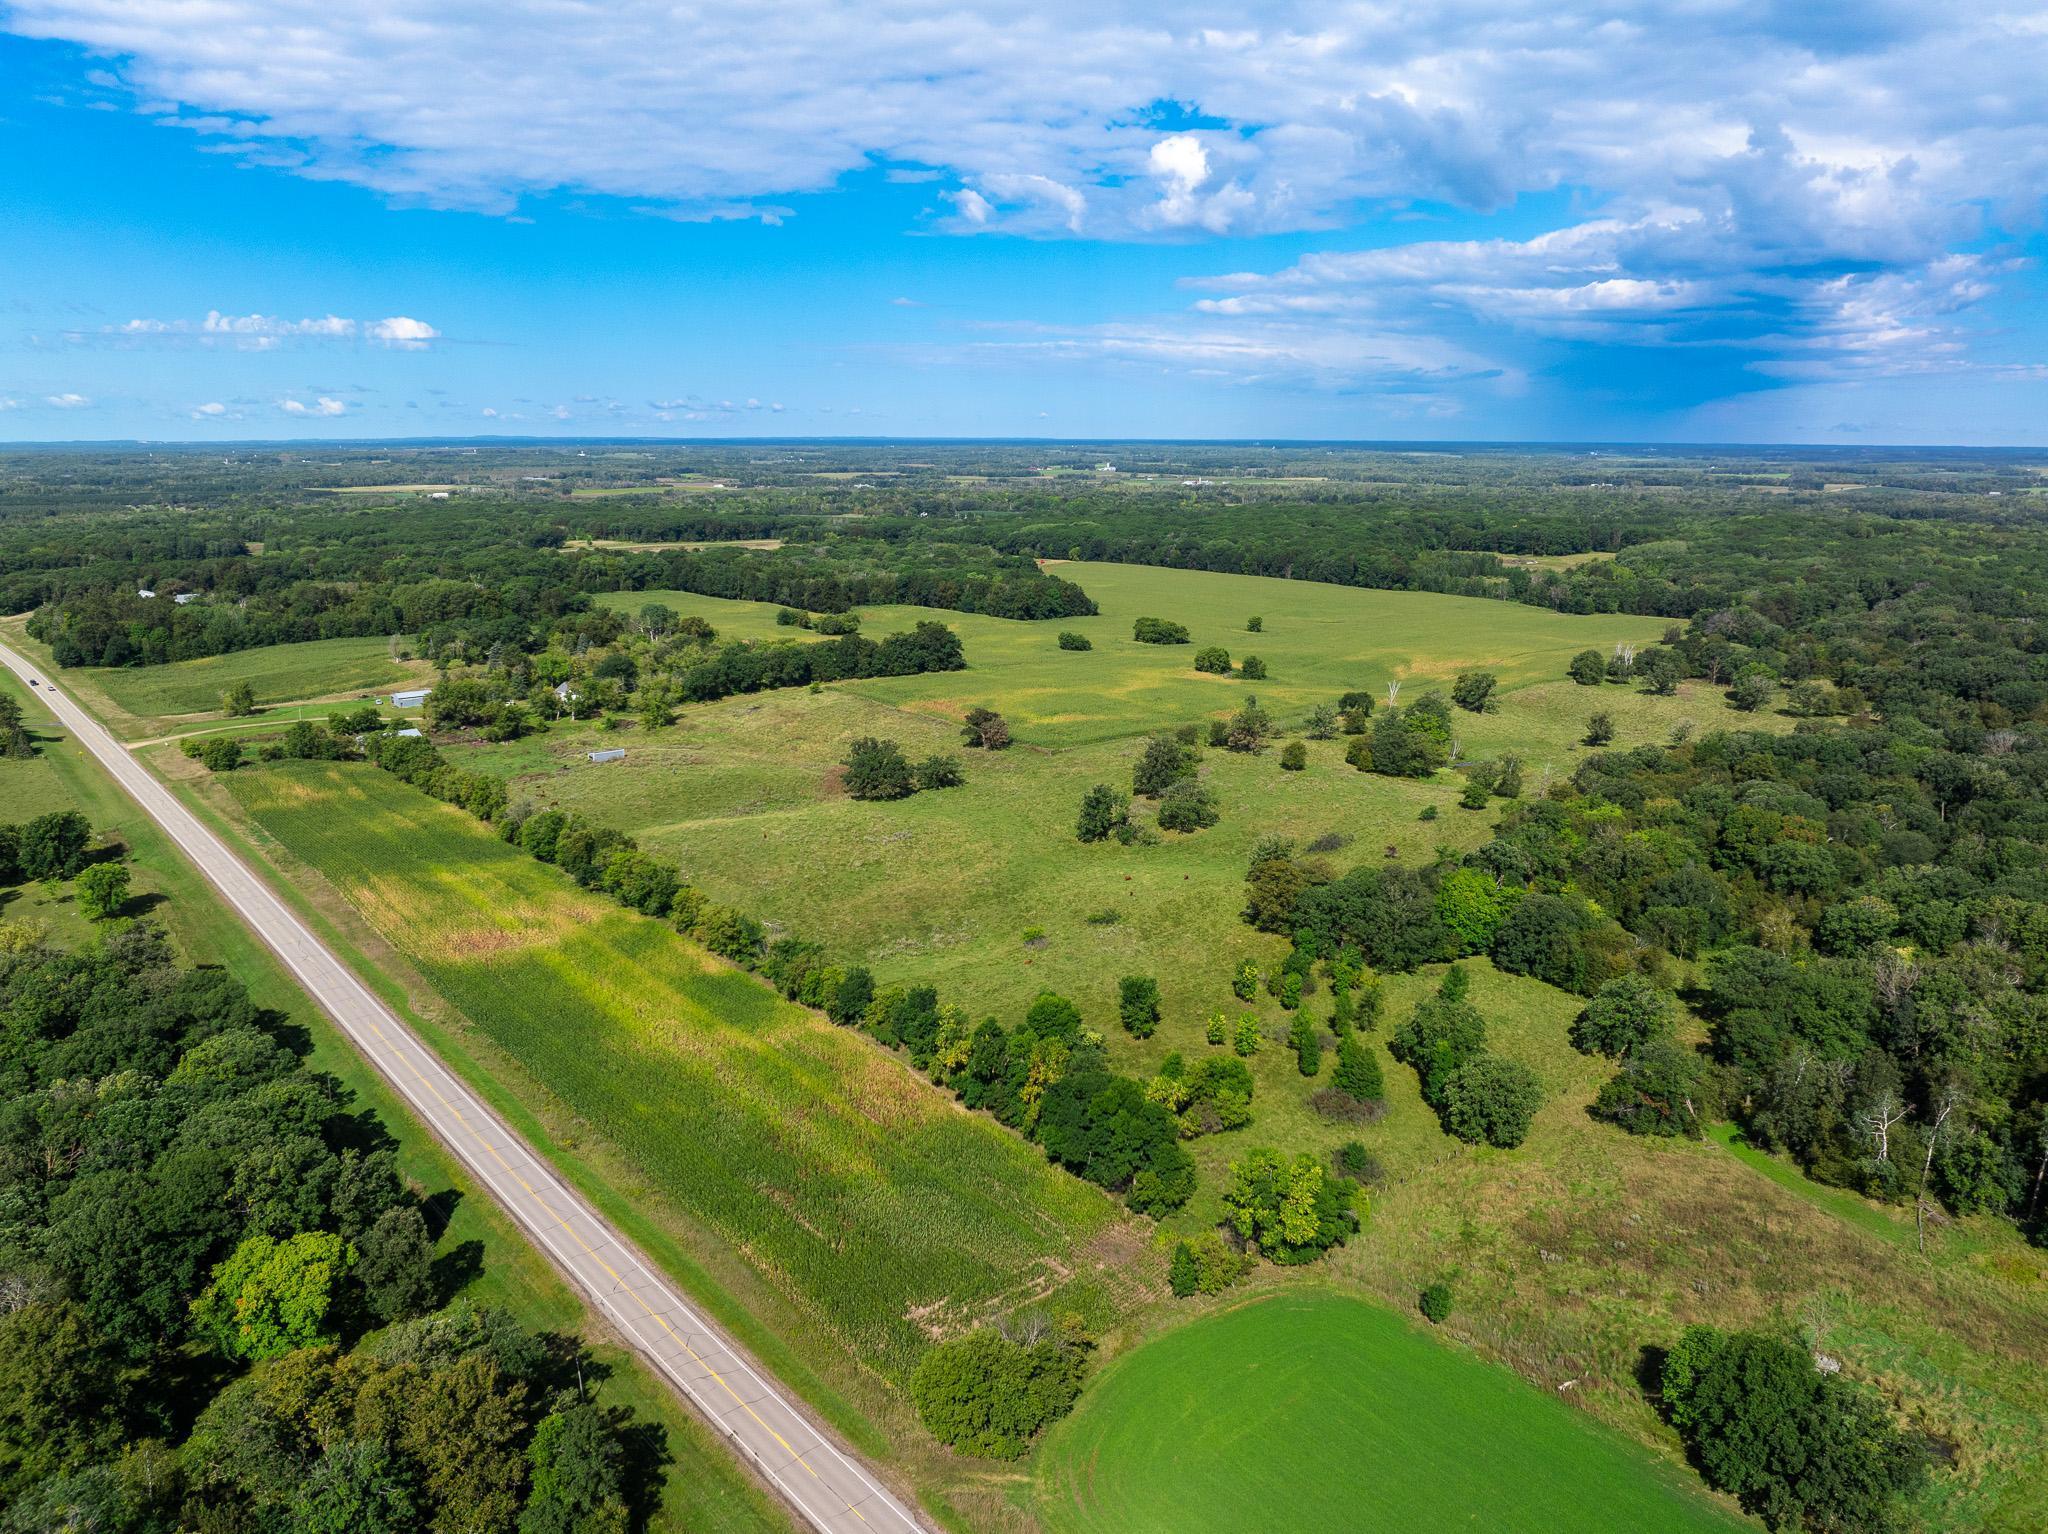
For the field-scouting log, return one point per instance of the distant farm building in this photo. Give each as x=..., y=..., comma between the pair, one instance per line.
x=185, y=596
x=609, y=754
x=145, y=593
x=412, y=698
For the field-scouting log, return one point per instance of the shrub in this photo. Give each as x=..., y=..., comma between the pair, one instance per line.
x=1359, y=753
x=1103, y=811
x=1248, y=1035
x=1492, y=1100
x=1793, y=1445
x=1293, y=756
x=1069, y=640
x=1182, y=1276
x=1600, y=729
x=1219, y=1028
x=986, y=1395
x=1661, y=1089
x=1138, y=1005
x=1254, y=624
x=877, y=769
x=1253, y=669
x=1213, y=659
x=1306, y=1040
x=1588, y=668
x=985, y=729
x=1187, y=807
x=1357, y=1163
x=1473, y=690
x=1358, y=1070
x=216, y=753
x=1244, y=980
x=1163, y=763
x=1159, y=631
x=1291, y=1210
x=1435, y=1303
x=938, y=772
x=239, y=700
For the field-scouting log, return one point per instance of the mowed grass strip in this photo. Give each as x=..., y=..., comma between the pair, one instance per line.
x=1309, y=1410
x=858, y=1191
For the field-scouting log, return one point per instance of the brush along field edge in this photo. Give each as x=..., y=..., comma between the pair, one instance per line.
x=829, y=1487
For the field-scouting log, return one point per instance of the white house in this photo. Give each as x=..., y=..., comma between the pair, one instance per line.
x=565, y=692
x=411, y=698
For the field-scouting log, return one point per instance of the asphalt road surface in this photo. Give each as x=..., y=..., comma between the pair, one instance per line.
x=831, y=1489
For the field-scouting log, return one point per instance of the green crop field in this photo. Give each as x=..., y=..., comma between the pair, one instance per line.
x=1313, y=1411
x=142, y=701
x=863, y=1197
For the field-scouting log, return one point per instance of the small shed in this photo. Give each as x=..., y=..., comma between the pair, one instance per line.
x=609, y=754
x=411, y=698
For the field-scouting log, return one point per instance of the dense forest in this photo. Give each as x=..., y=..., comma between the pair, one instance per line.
x=223, y=1305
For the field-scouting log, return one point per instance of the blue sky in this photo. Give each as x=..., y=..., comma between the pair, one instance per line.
x=1690, y=221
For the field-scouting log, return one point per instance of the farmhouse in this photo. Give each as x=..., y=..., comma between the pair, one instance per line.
x=411, y=698
x=609, y=754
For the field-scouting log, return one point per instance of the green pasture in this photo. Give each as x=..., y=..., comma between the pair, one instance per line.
x=1311, y=1410
x=1318, y=642
x=858, y=1193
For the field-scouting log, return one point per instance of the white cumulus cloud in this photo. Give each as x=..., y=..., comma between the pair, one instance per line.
x=322, y=406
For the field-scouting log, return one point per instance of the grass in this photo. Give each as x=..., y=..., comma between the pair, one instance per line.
x=874, y=1207
x=1318, y=641
x=139, y=702
x=706, y=1492
x=940, y=887
x=1311, y=1410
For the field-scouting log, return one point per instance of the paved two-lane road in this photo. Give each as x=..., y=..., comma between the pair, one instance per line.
x=832, y=1490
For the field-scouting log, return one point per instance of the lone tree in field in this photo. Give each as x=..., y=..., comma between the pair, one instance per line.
x=1293, y=756
x=1473, y=690
x=1137, y=1005
x=239, y=700
x=1254, y=625
x=877, y=769
x=1588, y=668
x=1103, y=809
x=984, y=729
x=1600, y=729
x=101, y=890
x=1253, y=669
x=1213, y=659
